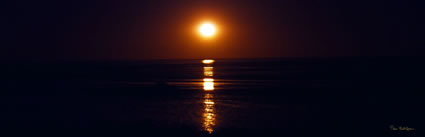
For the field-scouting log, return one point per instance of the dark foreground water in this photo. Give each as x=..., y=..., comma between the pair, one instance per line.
x=263, y=97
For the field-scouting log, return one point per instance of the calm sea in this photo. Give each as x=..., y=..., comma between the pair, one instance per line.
x=252, y=97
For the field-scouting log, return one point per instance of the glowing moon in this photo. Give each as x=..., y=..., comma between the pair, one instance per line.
x=207, y=29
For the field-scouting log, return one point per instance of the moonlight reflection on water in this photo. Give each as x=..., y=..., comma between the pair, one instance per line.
x=209, y=114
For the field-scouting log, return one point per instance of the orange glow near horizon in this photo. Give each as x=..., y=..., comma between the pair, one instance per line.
x=207, y=61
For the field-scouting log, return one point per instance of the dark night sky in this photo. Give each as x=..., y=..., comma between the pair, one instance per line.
x=132, y=30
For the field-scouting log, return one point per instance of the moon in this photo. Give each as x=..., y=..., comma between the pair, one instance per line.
x=207, y=29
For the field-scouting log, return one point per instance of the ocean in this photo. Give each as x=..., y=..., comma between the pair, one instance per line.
x=351, y=96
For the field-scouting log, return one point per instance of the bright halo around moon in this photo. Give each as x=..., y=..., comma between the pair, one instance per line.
x=207, y=29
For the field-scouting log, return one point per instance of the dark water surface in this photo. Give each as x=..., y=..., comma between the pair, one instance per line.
x=263, y=97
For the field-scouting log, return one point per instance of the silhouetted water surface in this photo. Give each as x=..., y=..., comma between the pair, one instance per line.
x=274, y=97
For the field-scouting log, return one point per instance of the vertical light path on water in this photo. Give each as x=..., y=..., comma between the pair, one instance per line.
x=209, y=113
